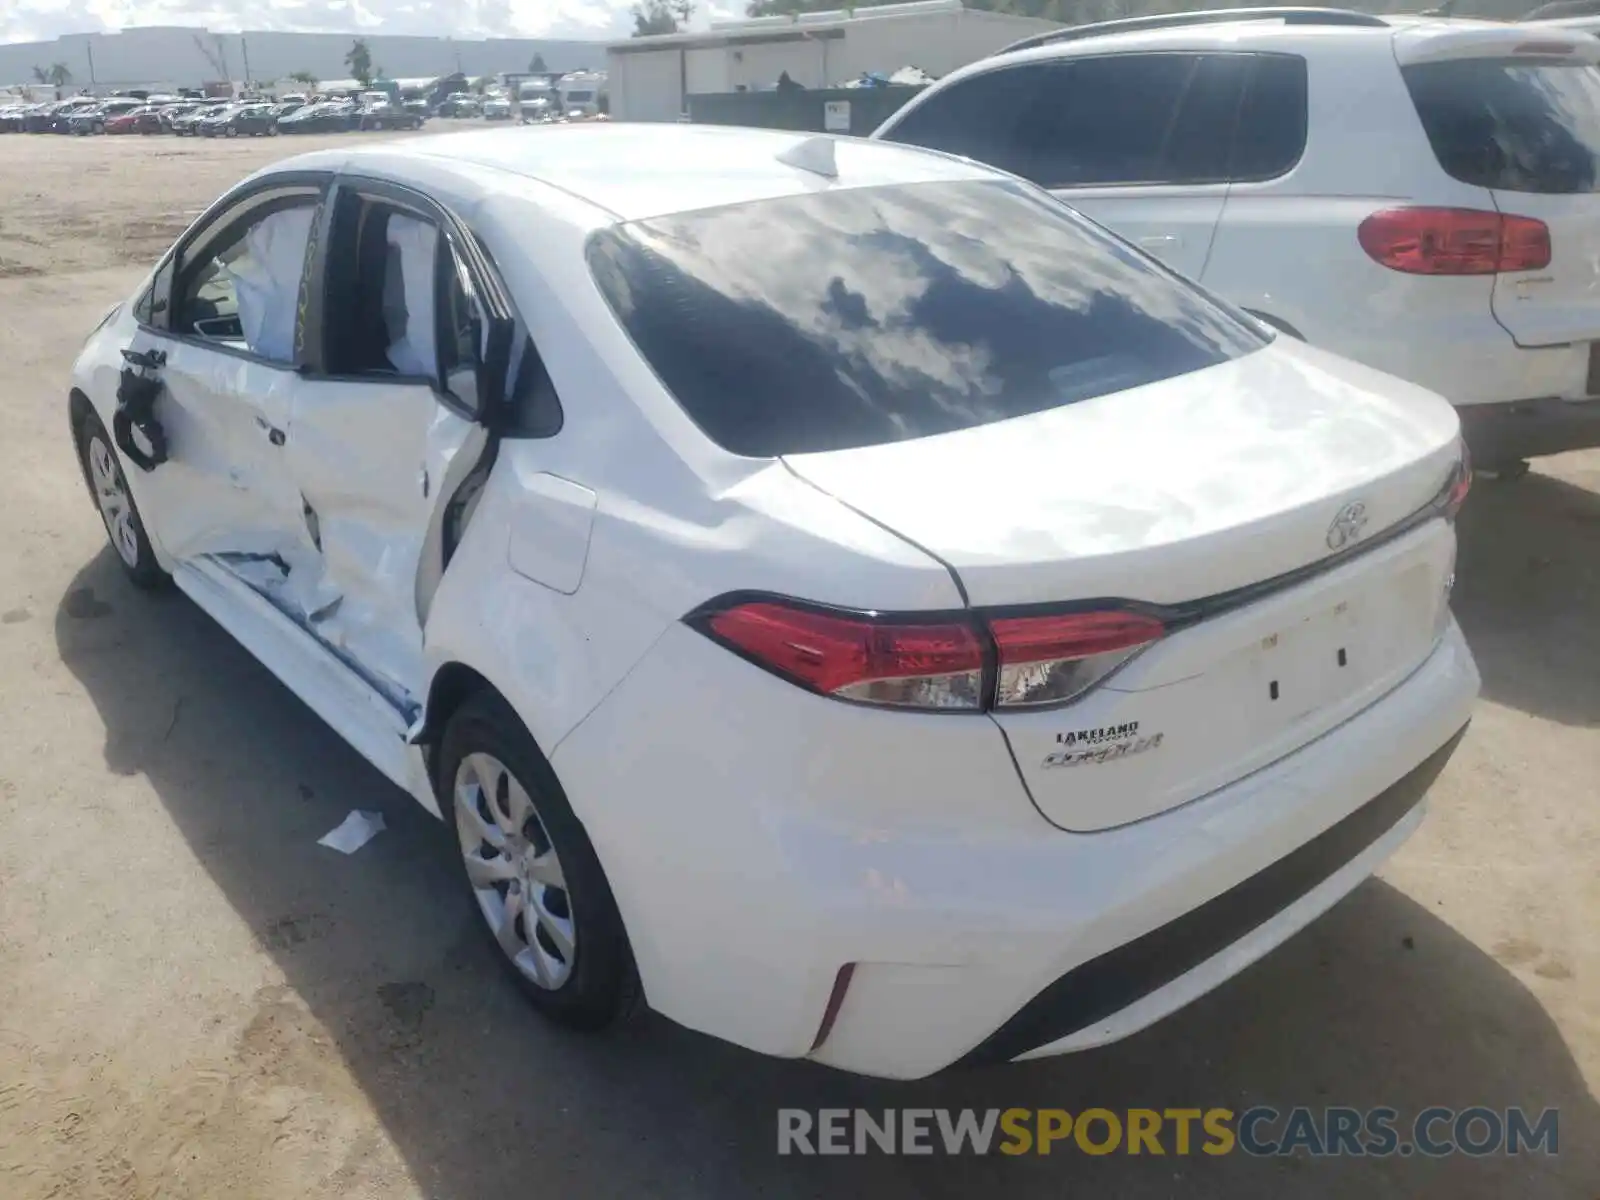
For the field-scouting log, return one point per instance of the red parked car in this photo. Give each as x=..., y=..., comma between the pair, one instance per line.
x=137, y=120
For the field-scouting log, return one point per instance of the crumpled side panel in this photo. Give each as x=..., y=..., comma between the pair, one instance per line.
x=373, y=463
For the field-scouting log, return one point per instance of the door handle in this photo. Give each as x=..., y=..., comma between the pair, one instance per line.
x=274, y=435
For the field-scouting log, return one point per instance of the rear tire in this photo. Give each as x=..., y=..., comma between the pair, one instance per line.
x=525, y=855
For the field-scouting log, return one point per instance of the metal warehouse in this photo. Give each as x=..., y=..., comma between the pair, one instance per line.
x=651, y=77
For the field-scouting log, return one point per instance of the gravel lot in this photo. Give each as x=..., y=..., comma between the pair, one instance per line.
x=198, y=1001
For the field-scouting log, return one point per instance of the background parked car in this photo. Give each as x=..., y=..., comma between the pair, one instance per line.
x=187, y=125
x=61, y=118
x=1448, y=199
x=459, y=104
x=334, y=116
x=171, y=112
x=93, y=119
x=387, y=115
x=40, y=117
x=497, y=108
x=11, y=117
x=255, y=120
x=145, y=119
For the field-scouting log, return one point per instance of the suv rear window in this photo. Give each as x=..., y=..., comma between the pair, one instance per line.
x=1515, y=126
x=867, y=315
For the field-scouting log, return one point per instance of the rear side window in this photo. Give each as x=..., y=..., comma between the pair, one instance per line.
x=1272, y=119
x=870, y=315
x=977, y=117
x=1131, y=118
x=1117, y=119
x=1514, y=126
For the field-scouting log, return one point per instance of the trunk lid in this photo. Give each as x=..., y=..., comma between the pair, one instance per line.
x=1171, y=493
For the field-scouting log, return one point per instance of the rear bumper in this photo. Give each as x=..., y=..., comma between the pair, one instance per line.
x=1502, y=433
x=755, y=850
x=1096, y=991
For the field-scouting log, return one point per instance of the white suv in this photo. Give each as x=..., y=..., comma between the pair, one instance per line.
x=1418, y=194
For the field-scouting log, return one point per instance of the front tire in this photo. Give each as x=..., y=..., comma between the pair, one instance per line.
x=124, y=526
x=532, y=875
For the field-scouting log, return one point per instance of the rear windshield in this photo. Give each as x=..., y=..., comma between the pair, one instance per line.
x=1513, y=126
x=867, y=315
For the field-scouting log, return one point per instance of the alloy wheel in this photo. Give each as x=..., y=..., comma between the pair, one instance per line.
x=111, y=494
x=514, y=871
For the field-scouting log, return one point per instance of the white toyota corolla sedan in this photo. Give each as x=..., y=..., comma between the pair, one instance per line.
x=830, y=590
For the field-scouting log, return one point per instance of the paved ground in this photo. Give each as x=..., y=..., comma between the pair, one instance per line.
x=197, y=1001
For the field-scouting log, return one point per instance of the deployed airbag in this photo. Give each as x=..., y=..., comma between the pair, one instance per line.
x=266, y=280
x=408, y=295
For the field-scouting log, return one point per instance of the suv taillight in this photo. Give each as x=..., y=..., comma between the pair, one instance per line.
x=1458, y=485
x=1454, y=241
x=965, y=662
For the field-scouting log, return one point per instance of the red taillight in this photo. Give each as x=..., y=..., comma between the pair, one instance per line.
x=906, y=664
x=1050, y=659
x=1460, y=484
x=910, y=663
x=1454, y=241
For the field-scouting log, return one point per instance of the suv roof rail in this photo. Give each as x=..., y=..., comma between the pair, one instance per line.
x=1219, y=16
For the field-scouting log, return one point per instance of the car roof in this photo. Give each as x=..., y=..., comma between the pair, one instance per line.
x=634, y=171
x=1264, y=33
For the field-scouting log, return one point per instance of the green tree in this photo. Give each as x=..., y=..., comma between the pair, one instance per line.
x=359, y=59
x=661, y=16
x=537, y=67
x=60, y=77
x=305, y=77
x=40, y=75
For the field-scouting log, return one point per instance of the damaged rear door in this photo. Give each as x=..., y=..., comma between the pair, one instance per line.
x=390, y=430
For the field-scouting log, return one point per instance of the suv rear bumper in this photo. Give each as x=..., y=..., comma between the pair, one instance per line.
x=1503, y=433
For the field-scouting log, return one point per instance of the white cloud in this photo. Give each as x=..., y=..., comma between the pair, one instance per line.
x=37, y=20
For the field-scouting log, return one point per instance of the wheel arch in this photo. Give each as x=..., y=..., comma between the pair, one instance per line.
x=453, y=684
x=79, y=409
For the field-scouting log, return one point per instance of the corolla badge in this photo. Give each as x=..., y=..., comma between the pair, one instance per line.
x=1347, y=525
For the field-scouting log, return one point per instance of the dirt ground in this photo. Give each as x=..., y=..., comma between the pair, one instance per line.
x=198, y=1001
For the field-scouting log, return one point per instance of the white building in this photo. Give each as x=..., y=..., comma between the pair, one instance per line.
x=650, y=76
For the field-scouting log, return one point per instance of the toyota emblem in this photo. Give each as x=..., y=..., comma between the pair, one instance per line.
x=1347, y=525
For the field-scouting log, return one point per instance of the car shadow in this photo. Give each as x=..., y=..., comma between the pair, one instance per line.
x=1378, y=1003
x=1528, y=594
